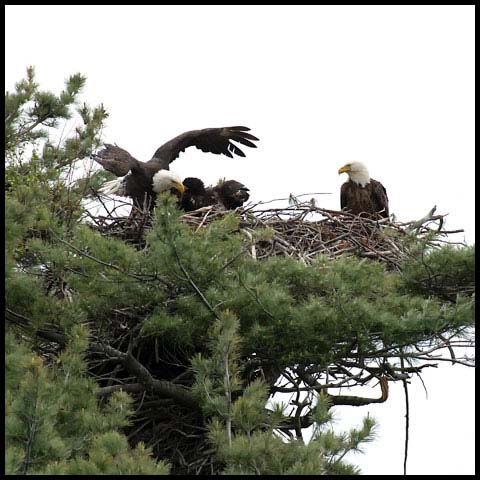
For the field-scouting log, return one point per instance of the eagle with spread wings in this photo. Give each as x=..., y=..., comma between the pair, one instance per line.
x=142, y=181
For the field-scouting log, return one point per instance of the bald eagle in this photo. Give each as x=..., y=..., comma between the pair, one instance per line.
x=362, y=194
x=195, y=195
x=229, y=193
x=141, y=181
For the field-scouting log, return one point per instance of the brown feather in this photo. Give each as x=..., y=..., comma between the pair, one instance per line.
x=371, y=199
x=212, y=140
x=230, y=193
x=115, y=160
x=195, y=195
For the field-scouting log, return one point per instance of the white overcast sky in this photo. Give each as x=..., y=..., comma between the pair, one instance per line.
x=392, y=86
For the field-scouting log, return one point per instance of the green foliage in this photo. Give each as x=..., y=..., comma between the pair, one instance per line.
x=35, y=156
x=443, y=272
x=319, y=305
x=243, y=431
x=54, y=423
x=110, y=454
x=218, y=376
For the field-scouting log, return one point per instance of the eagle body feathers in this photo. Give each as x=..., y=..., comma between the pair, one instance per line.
x=362, y=194
x=372, y=198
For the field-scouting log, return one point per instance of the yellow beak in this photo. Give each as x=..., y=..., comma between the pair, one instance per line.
x=344, y=169
x=179, y=186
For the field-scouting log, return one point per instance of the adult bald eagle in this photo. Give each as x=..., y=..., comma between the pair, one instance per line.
x=362, y=194
x=229, y=193
x=141, y=181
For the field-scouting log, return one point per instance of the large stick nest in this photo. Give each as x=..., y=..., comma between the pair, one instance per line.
x=301, y=230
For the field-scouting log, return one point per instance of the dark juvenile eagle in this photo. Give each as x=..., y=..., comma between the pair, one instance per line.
x=362, y=194
x=141, y=181
x=229, y=193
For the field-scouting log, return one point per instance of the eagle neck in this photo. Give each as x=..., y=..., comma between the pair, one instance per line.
x=360, y=178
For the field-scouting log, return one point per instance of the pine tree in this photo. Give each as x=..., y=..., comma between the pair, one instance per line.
x=122, y=359
x=243, y=430
x=54, y=421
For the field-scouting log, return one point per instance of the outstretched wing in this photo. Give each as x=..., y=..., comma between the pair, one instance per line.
x=115, y=160
x=213, y=140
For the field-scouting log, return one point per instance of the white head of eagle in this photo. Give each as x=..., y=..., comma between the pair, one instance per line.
x=164, y=180
x=357, y=173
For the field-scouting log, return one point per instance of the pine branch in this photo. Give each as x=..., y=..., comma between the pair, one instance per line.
x=407, y=420
x=128, y=387
x=32, y=432
x=28, y=129
x=162, y=388
x=193, y=284
x=136, y=276
x=354, y=400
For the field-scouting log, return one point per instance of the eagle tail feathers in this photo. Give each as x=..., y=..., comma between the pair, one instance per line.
x=114, y=187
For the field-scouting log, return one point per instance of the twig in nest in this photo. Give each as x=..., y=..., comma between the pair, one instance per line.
x=301, y=231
